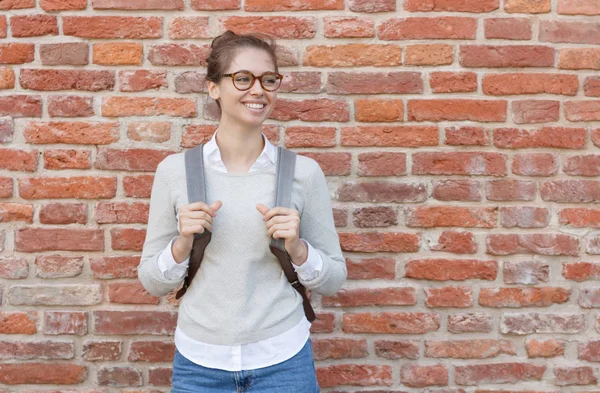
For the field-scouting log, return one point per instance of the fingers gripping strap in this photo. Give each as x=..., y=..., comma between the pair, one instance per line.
x=286, y=166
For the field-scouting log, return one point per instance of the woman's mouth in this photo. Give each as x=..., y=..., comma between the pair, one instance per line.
x=255, y=107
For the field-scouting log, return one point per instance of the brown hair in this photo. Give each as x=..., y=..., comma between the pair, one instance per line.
x=225, y=46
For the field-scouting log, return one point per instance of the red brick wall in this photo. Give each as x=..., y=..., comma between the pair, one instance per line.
x=460, y=139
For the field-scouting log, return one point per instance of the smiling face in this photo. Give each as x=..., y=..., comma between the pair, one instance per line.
x=249, y=108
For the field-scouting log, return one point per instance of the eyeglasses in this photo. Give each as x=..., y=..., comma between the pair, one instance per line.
x=244, y=80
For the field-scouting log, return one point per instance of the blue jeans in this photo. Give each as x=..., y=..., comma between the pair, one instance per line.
x=295, y=375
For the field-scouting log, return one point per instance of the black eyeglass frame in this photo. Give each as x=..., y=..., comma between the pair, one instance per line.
x=254, y=78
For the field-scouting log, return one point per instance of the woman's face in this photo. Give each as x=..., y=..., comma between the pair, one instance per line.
x=244, y=107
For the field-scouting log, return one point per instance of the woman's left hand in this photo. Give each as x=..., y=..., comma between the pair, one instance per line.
x=284, y=223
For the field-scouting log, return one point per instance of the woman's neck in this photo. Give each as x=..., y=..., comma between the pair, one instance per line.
x=239, y=148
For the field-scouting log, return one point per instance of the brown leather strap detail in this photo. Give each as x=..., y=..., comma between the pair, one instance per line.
x=200, y=243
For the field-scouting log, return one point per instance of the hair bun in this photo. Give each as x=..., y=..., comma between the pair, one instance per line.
x=223, y=39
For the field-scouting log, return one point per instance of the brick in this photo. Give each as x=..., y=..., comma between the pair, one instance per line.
x=3, y=26
x=21, y=106
x=70, y=106
x=17, y=4
x=160, y=376
x=55, y=295
x=138, y=186
x=102, y=351
x=121, y=53
x=451, y=269
x=592, y=245
x=591, y=86
x=349, y=27
x=535, y=83
x=151, y=351
x=498, y=373
x=63, y=322
x=525, y=272
x=567, y=191
x=374, y=217
x=19, y=350
x=18, y=160
x=290, y=5
x=57, y=266
x=467, y=136
x=457, y=109
x=130, y=293
x=87, y=133
x=138, y=4
x=67, y=159
x=6, y=187
x=426, y=28
x=84, y=187
x=352, y=55
x=196, y=134
x=127, y=238
x=530, y=323
x=469, y=349
x=581, y=271
x=582, y=110
x=535, y=164
x=457, y=297
x=381, y=164
x=52, y=80
x=324, y=323
x=371, y=268
x=113, y=26
x=589, y=298
x=381, y=192
x=457, y=190
x=340, y=217
x=374, y=110
x=390, y=136
x=210, y=5
x=33, y=25
x=279, y=27
x=119, y=376
x=523, y=297
x=6, y=130
x=459, y=163
x=374, y=83
x=379, y=242
x=301, y=82
x=510, y=190
x=469, y=323
x=453, y=82
x=7, y=79
x=451, y=216
x=339, y=348
x=506, y=56
x=47, y=239
x=392, y=350
x=455, y=242
x=371, y=297
x=524, y=217
x=429, y=54
x=15, y=53
x=121, y=213
x=566, y=376
x=417, y=376
x=18, y=322
x=371, y=6
x=527, y=6
x=13, y=268
x=589, y=351
x=310, y=137
x=451, y=6
x=354, y=374
x=42, y=373
x=535, y=111
x=148, y=106
x=532, y=243
x=578, y=7
x=582, y=165
x=552, y=137
x=145, y=160
x=313, y=110
x=134, y=322
x=545, y=348
x=70, y=53
x=12, y=212
x=154, y=132
x=332, y=164
x=577, y=32
x=114, y=267
x=286, y=56
x=390, y=323
x=63, y=5
x=507, y=28
x=579, y=58
x=189, y=28
x=193, y=82
x=178, y=54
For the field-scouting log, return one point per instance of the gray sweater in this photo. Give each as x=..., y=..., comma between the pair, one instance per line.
x=240, y=293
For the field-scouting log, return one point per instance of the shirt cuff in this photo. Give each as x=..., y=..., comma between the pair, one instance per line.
x=170, y=269
x=310, y=269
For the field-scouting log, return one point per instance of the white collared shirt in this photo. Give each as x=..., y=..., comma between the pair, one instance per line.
x=253, y=355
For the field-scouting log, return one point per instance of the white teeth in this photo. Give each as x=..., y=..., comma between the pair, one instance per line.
x=255, y=106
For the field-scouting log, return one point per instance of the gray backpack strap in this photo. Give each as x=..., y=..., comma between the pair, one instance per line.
x=286, y=166
x=194, y=174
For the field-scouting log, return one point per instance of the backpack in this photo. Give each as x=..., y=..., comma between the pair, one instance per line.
x=286, y=163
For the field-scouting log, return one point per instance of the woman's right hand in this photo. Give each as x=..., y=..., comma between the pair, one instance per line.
x=193, y=218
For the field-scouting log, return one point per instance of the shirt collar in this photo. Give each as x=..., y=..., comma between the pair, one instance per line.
x=211, y=150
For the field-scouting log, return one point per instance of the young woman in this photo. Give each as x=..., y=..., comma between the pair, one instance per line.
x=241, y=325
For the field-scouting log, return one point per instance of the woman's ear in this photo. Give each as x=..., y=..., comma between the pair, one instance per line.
x=213, y=90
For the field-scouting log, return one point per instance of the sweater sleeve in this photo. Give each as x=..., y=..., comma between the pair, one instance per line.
x=161, y=229
x=318, y=228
